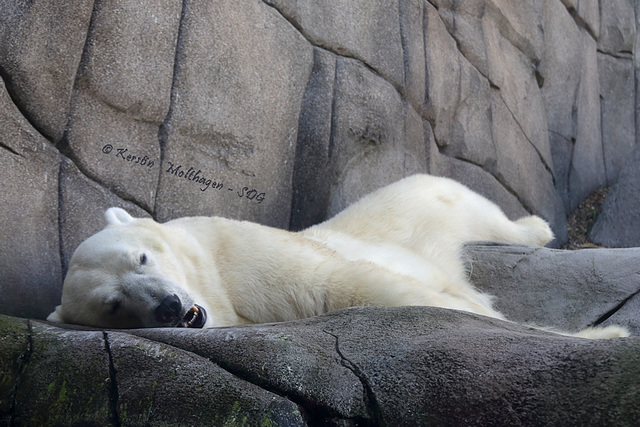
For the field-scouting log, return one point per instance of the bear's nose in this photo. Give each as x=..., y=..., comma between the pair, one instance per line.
x=169, y=309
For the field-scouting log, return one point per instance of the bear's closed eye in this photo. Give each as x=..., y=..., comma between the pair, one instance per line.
x=114, y=307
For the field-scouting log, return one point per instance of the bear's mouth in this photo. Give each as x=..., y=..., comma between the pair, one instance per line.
x=196, y=317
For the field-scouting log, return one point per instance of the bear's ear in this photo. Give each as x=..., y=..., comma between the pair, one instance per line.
x=117, y=216
x=56, y=316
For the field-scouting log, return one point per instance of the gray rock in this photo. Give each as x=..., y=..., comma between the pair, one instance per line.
x=492, y=120
x=517, y=171
x=588, y=169
x=31, y=271
x=617, y=87
x=111, y=148
x=297, y=109
x=617, y=28
x=566, y=290
x=293, y=110
x=618, y=224
x=14, y=344
x=290, y=359
x=574, y=121
x=63, y=377
x=514, y=76
x=375, y=366
x=461, y=120
x=137, y=40
x=234, y=118
x=589, y=13
x=451, y=65
x=586, y=13
x=158, y=383
x=365, y=136
x=349, y=130
x=310, y=195
x=67, y=377
x=40, y=50
x=368, y=30
x=113, y=128
x=413, y=47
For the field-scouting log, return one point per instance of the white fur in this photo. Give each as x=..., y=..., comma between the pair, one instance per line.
x=397, y=246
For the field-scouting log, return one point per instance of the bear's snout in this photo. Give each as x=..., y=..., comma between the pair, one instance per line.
x=169, y=310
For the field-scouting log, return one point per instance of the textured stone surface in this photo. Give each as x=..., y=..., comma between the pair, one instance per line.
x=40, y=49
x=30, y=265
x=618, y=225
x=368, y=30
x=65, y=377
x=236, y=99
x=112, y=116
x=574, y=121
x=567, y=290
x=618, y=117
x=376, y=366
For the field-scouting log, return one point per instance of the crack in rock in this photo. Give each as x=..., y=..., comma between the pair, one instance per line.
x=23, y=360
x=615, y=309
x=8, y=85
x=11, y=150
x=163, y=130
x=340, y=52
x=370, y=398
x=303, y=407
x=113, y=384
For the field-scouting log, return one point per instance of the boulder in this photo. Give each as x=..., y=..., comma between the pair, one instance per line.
x=566, y=290
x=373, y=366
x=493, y=119
x=368, y=30
x=66, y=377
x=346, y=139
x=617, y=27
x=617, y=65
x=617, y=86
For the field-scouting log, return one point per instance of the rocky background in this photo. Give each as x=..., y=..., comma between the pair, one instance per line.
x=284, y=112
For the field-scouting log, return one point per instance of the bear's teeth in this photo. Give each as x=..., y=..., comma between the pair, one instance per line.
x=194, y=312
x=196, y=317
x=193, y=319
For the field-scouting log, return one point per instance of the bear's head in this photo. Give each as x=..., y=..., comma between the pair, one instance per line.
x=127, y=276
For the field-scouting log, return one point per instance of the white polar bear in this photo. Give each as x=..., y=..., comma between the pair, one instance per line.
x=397, y=246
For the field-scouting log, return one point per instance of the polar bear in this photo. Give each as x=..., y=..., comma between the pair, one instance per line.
x=398, y=246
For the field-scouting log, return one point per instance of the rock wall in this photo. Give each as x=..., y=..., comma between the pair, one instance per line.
x=284, y=112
